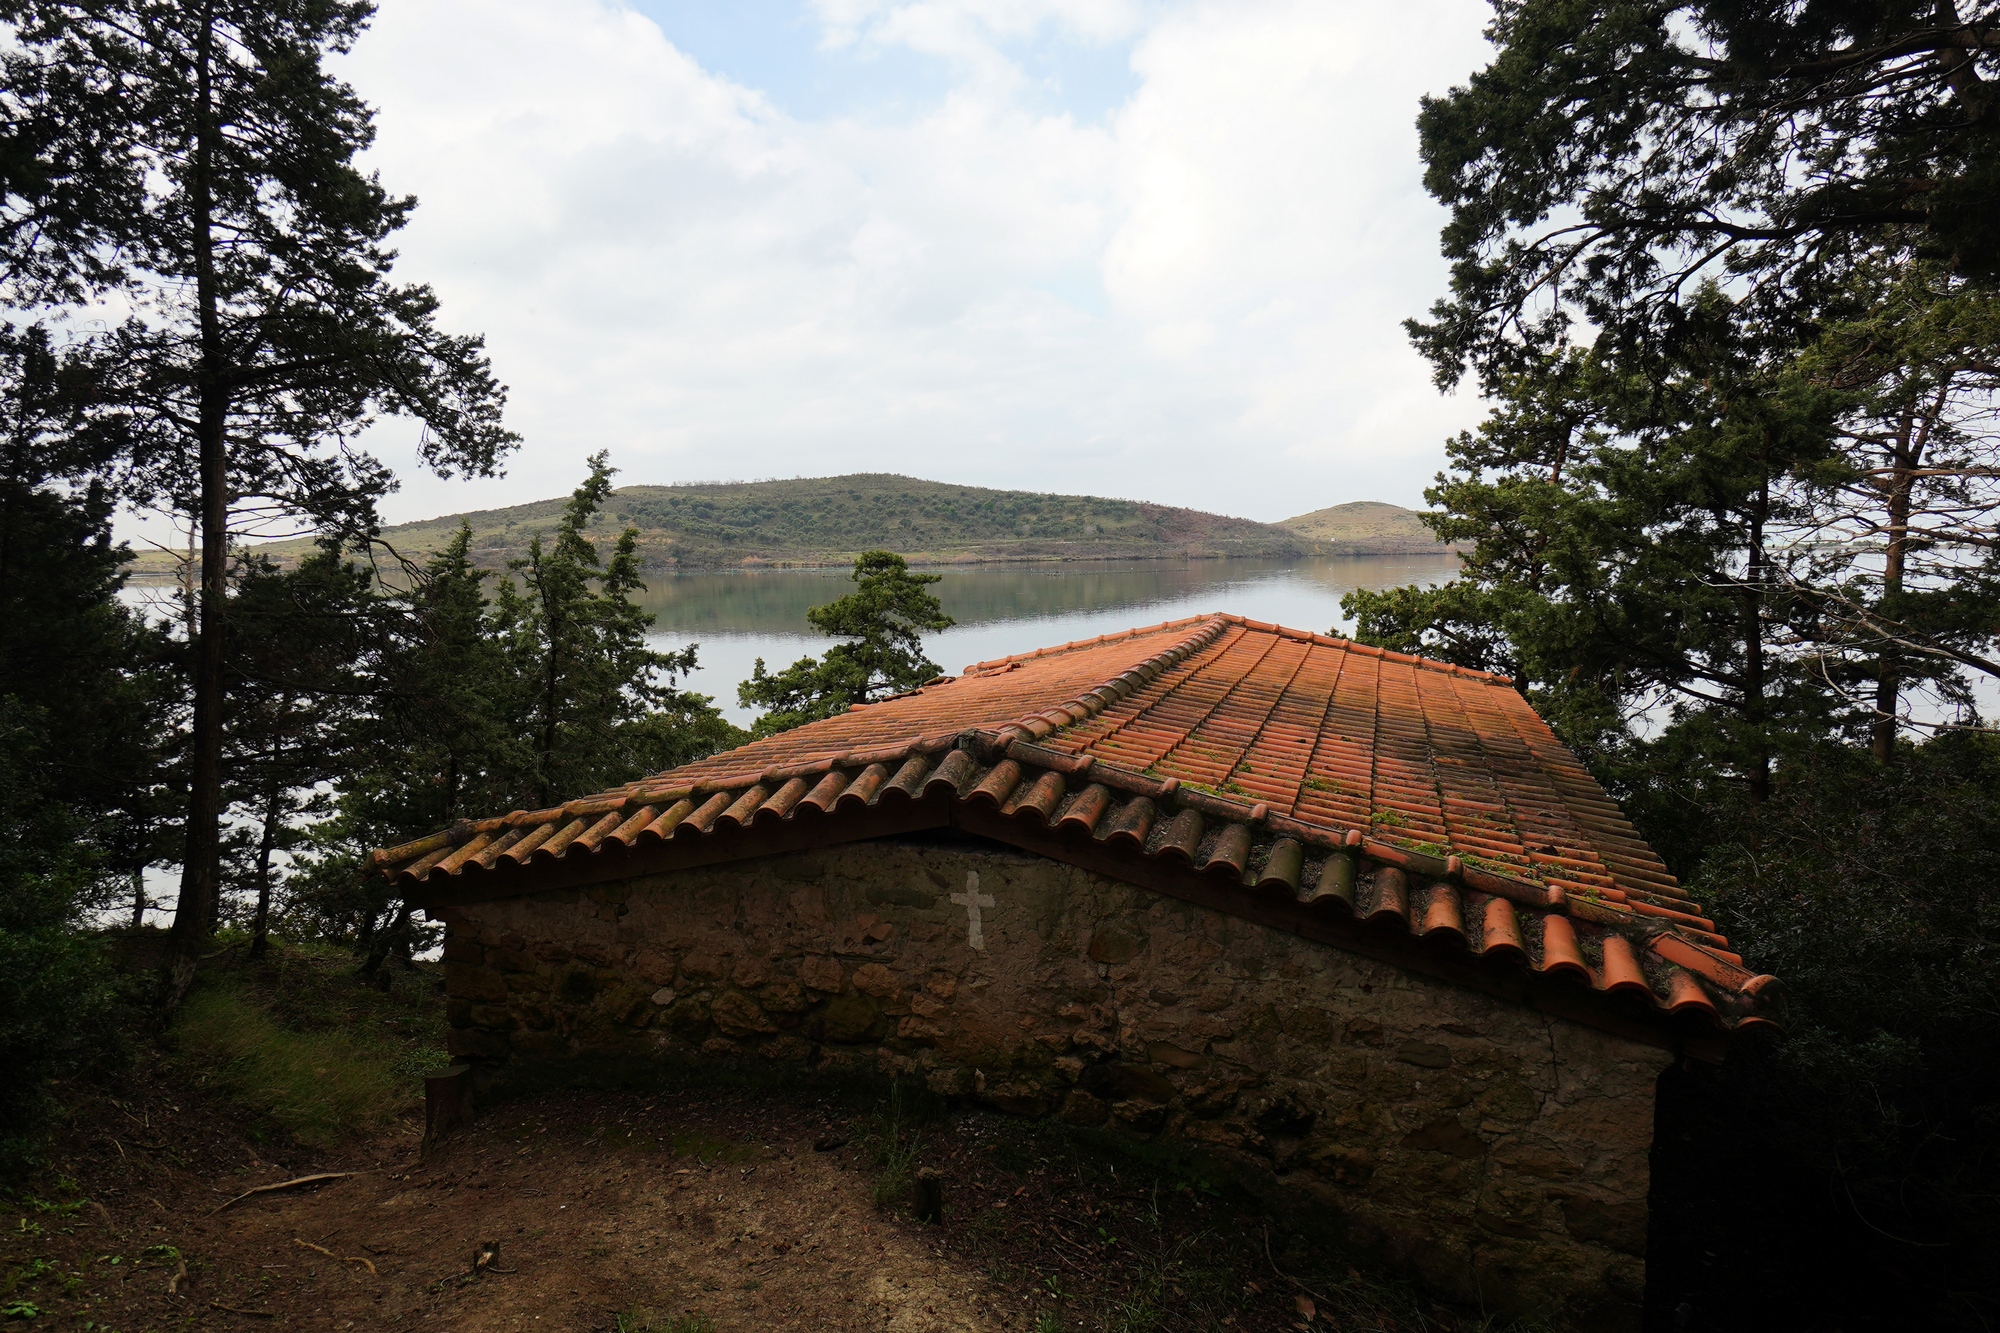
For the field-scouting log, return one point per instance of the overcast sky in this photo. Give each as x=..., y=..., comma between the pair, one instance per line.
x=1151, y=250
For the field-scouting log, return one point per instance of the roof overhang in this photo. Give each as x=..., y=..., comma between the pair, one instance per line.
x=1649, y=977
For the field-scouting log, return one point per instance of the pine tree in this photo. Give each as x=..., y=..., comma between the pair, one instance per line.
x=302, y=666
x=1725, y=272
x=1616, y=155
x=195, y=163
x=883, y=619
x=1899, y=560
x=1672, y=227
x=432, y=744
x=599, y=706
x=477, y=705
x=1628, y=554
x=86, y=717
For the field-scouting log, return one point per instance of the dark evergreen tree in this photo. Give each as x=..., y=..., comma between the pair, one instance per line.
x=85, y=713
x=1726, y=272
x=442, y=745
x=883, y=619
x=1618, y=153
x=435, y=744
x=1898, y=559
x=480, y=705
x=1751, y=488
x=196, y=162
x=1626, y=553
x=599, y=706
x=303, y=665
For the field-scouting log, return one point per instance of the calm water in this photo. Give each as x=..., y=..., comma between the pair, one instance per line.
x=737, y=617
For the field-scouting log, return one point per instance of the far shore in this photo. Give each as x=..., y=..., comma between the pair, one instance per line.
x=157, y=569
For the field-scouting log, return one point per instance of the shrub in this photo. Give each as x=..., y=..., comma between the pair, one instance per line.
x=316, y=1086
x=56, y=1009
x=1854, y=1155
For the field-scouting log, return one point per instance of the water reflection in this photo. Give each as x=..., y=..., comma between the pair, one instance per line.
x=738, y=617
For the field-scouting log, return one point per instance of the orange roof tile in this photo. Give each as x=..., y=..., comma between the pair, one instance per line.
x=1339, y=777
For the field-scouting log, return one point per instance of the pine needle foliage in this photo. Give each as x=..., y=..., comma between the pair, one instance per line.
x=883, y=621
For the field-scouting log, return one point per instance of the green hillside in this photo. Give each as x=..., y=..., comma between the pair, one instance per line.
x=830, y=520
x=1365, y=527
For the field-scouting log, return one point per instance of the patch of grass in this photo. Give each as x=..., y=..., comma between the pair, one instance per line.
x=637, y=1320
x=897, y=1144
x=68, y=1209
x=706, y=1148
x=298, y=1039
x=317, y=1086
x=897, y=1159
x=418, y=1061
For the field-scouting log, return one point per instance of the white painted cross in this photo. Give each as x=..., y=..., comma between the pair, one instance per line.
x=972, y=900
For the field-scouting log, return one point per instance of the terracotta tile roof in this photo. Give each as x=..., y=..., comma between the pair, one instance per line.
x=1309, y=781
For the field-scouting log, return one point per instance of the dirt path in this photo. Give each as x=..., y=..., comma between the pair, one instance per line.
x=750, y=1234
x=629, y=1213
x=597, y=1209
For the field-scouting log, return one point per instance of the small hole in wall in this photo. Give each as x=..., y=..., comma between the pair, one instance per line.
x=1367, y=988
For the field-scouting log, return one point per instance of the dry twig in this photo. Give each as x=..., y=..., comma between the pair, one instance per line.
x=1287, y=1276
x=283, y=1185
x=344, y=1258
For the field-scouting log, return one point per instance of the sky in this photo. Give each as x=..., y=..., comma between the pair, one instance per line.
x=1138, y=248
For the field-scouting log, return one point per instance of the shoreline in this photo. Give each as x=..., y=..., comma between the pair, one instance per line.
x=148, y=573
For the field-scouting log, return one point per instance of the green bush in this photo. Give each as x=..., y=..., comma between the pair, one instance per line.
x=1858, y=1145
x=317, y=1086
x=57, y=1002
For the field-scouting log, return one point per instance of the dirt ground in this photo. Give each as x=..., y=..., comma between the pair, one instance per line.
x=629, y=1212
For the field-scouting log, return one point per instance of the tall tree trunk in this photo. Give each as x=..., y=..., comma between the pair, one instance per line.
x=385, y=941
x=1757, y=759
x=1912, y=435
x=138, y=897
x=201, y=864
x=260, y=930
x=552, y=679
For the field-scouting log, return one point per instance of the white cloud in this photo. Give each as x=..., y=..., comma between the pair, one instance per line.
x=1195, y=300
x=967, y=30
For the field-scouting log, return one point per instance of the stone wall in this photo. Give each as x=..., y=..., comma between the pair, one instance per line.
x=1499, y=1153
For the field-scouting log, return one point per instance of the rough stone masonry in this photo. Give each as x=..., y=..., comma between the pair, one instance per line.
x=1498, y=1152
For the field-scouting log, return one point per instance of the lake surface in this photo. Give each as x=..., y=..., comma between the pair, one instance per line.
x=738, y=616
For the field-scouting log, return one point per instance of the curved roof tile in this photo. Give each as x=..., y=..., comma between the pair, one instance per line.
x=1308, y=781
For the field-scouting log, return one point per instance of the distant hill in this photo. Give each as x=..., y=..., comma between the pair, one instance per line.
x=1366, y=527
x=830, y=520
